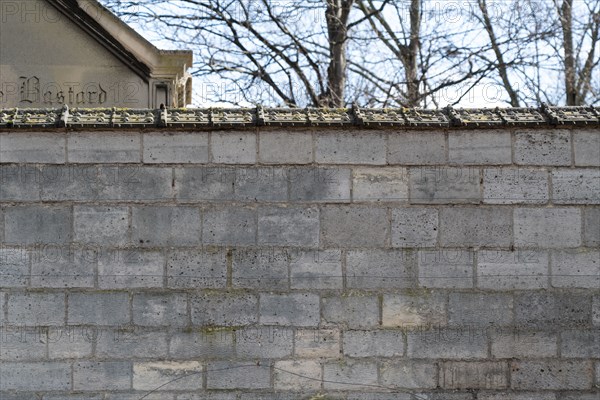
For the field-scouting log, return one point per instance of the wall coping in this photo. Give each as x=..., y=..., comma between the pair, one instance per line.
x=198, y=118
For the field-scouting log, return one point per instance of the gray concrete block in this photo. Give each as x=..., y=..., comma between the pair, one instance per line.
x=237, y=375
x=36, y=309
x=131, y=343
x=103, y=147
x=596, y=310
x=510, y=270
x=290, y=226
x=197, y=269
x=317, y=343
x=175, y=148
x=125, y=269
x=439, y=342
x=591, y=226
x=160, y=309
x=23, y=147
x=381, y=269
x=264, y=342
x=444, y=185
x=320, y=184
x=70, y=182
x=350, y=148
x=14, y=267
x=285, y=147
x=64, y=266
x=414, y=310
x=510, y=395
x=523, y=344
x=102, y=375
x=74, y=342
x=374, y=343
x=224, y=309
x=101, y=225
x=542, y=148
x=349, y=375
x=135, y=183
x=297, y=375
x=474, y=375
x=296, y=309
x=35, y=376
x=229, y=226
x=587, y=148
x=313, y=269
x=542, y=310
x=167, y=375
x=354, y=312
x=23, y=343
x=26, y=225
x=165, y=226
x=475, y=309
x=446, y=268
x=551, y=375
x=205, y=344
x=261, y=184
x=409, y=374
x=204, y=184
x=417, y=148
x=98, y=308
x=578, y=343
x=547, y=227
x=260, y=268
x=414, y=227
x=233, y=147
x=576, y=269
x=479, y=147
x=20, y=183
x=576, y=186
x=354, y=226
x=463, y=226
x=380, y=184
x=515, y=186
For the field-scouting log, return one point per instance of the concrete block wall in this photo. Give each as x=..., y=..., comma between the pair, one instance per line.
x=300, y=264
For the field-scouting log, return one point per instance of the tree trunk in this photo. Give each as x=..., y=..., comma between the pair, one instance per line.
x=337, y=14
x=412, y=56
x=566, y=21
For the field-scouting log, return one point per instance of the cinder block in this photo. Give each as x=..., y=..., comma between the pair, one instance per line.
x=587, y=148
x=479, y=147
x=538, y=227
x=450, y=343
x=102, y=375
x=261, y=184
x=260, y=268
x=351, y=311
x=350, y=148
x=130, y=343
x=101, y=225
x=36, y=309
x=510, y=395
x=354, y=226
x=124, y=269
x=409, y=374
x=160, y=309
x=522, y=344
x=446, y=268
x=320, y=184
x=35, y=376
x=349, y=375
x=576, y=269
x=135, y=183
x=551, y=375
x=596, y=311
x=285, y=147
x=417, y=148
x=224, y=309
x=317, y=343
x=24, y=225
x=165, y=226
x=414, y=227
x=515, y=186
x=542, y=310
x=297, y=375
x=290, y=226
x=205, y=344
x=296, y=309
x=233, y=147
x=542, y=148
x=72, y=341
x=462, y=226
x=229, y=226
x=20, y=183
x=314, y=269
x=197, y=269
x=576, y=186
x=474, y=375
x=591, y=226
x=407, y=311
x=23, y=343
x=578, y=343
x=103, y=147
x=374, y=343
x=238, y=375
x=510, y=270
x=98, y=308
x=475, y=309
x=380, y=184
x=264, y=342
x=14, y=267
x=23, y=147
x=167, y=375
x=444, y=185
x=381, y=269
x=71, y=182
x=204, y=183
x=175, y=148
x=64, y=266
